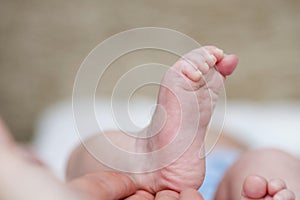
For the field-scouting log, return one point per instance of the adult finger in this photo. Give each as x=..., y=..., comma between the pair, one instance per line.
x=105, y=185
x=190, y=194
x=141, y=195
x=167, y=195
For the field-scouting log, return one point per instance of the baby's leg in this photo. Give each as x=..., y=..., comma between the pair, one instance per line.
x=270, y=166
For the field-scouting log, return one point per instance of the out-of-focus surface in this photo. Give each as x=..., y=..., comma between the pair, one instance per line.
x=252, y=124
x=44, y=42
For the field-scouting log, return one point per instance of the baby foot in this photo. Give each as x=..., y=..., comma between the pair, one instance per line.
x=258, y=188
x=188, y=94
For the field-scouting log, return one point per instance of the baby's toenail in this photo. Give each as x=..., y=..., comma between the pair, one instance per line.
x=206, y=67
x=198, y=73
x=213, y=58
x=278, y=197
x=219, y=52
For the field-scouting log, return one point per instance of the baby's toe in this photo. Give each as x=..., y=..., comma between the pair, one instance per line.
x=194, y=65
x=216, y=52
x=284, y=194
x=276, y=185
x=197, y=61
x=254, y=187
x=209, y=56
x=189, y=71
x=227, y=65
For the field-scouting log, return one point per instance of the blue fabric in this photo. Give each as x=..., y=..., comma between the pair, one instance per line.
x=217, y=163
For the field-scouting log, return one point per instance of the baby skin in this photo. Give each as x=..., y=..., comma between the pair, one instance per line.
x=258, y=188
x=188, y=94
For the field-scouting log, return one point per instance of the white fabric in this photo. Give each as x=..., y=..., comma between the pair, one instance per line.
x=257, y=125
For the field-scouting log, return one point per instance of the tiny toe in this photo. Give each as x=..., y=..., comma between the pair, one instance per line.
x=189, y=71
x=284, y=195
x=275, y=185
x=254, y=187
x=218, y=53
x=197, y=61
x=227, y=65
x=208, y=57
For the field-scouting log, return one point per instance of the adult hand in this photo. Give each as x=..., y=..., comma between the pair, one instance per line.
x=24, y=177
x=188, y=194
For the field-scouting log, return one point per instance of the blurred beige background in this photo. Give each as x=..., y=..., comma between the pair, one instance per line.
x=44, y=42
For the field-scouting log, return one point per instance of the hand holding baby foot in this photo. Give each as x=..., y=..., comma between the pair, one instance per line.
x=258, y=188
x=187, y=96
x=188, y=194
x=23, y=177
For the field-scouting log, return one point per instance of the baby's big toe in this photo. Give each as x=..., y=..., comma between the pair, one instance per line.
x=227, y=65
x=254, y=187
